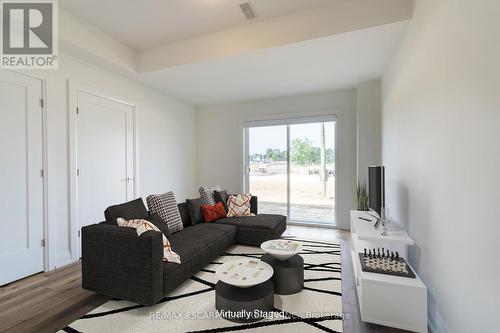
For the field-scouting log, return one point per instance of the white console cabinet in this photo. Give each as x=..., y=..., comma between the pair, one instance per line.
x=385, y=299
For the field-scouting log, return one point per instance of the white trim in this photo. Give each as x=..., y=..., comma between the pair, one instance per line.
x=73, y=224
x=63, y=258
x=242, y=145
x=289, y=119
x=288, y=169
x=314, y=224
x=296, y=120
x=337, y=172
x=73, y=88
x=48, y=250
x=246, y=165
x=435, y=321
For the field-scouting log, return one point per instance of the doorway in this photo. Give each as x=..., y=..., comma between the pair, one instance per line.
x=21, y=177
x=290, y=167
x=105, y=156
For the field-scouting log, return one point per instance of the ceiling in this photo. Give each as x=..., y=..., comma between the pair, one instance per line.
x=324, y=45
x=174, y=20
x=327, y=63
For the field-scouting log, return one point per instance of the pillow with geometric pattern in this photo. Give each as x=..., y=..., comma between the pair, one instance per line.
x=165, y=206
x=239, y=205
x=207, y=194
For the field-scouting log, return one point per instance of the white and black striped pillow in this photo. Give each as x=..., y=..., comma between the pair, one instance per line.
x=165, y=206
x=207, y=194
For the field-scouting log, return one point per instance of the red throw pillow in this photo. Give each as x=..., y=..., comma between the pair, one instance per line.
x=213, y=213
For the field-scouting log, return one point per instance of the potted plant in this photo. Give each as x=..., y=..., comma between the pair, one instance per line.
x=361, y=202
x=361, y=197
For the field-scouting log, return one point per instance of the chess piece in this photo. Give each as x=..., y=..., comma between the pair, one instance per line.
x=364, y=252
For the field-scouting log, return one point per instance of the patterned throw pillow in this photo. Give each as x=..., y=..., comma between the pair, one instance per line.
x=239, y=205
x=142, y=226
x=207, y=194
x=213, y=213
x=165, y=206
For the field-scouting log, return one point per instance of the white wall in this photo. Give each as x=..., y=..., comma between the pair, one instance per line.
x=441, y=149
x=77, y=36
x=166, y=134
x=368, y=127
x=220, y=139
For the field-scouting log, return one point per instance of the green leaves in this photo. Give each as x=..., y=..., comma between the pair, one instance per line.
x=361, y=197
x=275, y=154
x=302, y=152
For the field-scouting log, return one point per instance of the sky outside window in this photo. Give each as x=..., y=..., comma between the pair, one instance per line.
x=273, y=137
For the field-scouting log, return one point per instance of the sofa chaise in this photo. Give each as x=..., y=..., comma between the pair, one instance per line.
x=118, y=263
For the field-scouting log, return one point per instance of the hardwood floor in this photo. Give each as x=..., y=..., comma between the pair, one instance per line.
x=48, y=302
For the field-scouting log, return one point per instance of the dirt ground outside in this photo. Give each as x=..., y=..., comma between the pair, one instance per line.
x=307, y=202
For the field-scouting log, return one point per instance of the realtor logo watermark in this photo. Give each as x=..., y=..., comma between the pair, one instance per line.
x=29, y=34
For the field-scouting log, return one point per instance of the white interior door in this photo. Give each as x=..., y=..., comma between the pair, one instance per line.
x=105, y=156
x=21, y=182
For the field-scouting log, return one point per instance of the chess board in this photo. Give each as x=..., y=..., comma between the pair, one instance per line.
x=385, y=265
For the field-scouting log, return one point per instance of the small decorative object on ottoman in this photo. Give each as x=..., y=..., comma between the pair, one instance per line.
x=281, y=249
x=244, y=290
x=288, y=266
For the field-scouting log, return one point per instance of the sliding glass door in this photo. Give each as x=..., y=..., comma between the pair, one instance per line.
x=291, y=168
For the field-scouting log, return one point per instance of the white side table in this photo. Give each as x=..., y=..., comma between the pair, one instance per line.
x=385, y=299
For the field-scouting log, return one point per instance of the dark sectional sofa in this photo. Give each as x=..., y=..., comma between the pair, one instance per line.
x=118, y=263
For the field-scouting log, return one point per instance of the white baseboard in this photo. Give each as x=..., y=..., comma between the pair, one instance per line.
x=63, y=258
x=315, y=225
x=436, y=323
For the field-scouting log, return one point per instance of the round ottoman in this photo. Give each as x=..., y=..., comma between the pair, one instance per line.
x=288, y=277
x=243, y=305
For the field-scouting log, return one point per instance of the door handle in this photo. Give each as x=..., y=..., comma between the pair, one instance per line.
x=130, y=180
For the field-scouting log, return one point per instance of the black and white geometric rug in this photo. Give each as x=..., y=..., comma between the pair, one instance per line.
x=191, y=307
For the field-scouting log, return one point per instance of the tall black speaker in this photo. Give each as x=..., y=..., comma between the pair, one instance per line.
x=376, y=188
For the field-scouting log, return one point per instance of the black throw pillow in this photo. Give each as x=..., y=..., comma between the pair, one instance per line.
x=194, y=208
x=183, y=210
x=134, y=209
x=221, y=196
x=159, y=223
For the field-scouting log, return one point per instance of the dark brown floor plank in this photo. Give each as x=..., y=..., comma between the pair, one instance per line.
x=46, y=302
x=58, y=316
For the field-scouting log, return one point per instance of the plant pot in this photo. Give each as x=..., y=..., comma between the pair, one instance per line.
x=355, y=216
